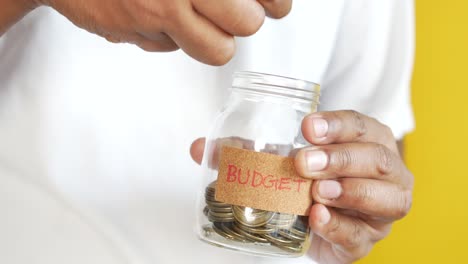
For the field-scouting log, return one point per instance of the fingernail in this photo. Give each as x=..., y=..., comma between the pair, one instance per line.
x=324, y=216
x=320, y=127
x=329, y=189
x=316, y=160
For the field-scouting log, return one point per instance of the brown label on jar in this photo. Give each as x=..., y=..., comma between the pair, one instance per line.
x=262, y=181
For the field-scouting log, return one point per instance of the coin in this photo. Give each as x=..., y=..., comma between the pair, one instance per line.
x=228, y=228
x=221, y=215
x=219, y=230
x=221, y=209
x=278, y=239
x=255, y=230
x=251, y=217
x=293, y=236
x=249, y=236
x=249, y=225
x=296, y=248
x=281, y=221
x=213, y=218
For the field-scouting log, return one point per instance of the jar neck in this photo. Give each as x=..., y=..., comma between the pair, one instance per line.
x=299, y=94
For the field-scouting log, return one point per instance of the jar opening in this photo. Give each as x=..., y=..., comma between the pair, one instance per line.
x=276, y=85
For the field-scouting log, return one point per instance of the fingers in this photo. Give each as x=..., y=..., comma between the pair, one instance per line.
x=351, y=238
x=202, y=40
x=346, y=126
x=276, y=8
x=371, y=197
x=214, y=147
x=236, y=17
x=155, y=43
x=362, y=160
x=196, y=150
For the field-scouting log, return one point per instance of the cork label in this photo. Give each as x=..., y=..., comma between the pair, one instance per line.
x=262, y=181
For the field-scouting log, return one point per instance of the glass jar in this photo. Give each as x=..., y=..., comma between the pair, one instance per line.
x=263, y=114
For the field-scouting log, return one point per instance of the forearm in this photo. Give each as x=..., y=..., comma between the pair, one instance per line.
x=11, y=11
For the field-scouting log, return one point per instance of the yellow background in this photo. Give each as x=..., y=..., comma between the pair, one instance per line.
x=436, y=231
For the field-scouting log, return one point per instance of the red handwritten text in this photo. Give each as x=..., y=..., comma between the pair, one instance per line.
x=257, y=179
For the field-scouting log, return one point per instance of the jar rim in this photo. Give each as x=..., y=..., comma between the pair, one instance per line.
x=276, y=85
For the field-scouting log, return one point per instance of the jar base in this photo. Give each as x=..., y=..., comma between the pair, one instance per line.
x=208, y=235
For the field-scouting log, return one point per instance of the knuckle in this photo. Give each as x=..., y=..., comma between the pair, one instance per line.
x=353, y=240
x=342, y=159
x=363, y=195
x=335, y=226
x=385, y=160
x=379, y=234
x=168, y=10
x=387, y=131
x=404, y=205
x=359, y=125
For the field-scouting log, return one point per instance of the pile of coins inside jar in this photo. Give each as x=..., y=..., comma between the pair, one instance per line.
x=244, y=224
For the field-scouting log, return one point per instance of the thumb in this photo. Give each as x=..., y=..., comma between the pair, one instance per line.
x=196, y=150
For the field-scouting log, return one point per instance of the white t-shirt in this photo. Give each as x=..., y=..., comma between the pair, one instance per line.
x=93, y=134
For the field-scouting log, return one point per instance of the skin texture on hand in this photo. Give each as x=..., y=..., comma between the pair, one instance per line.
x=204, y=29
x=361, y=185
x=11, y=11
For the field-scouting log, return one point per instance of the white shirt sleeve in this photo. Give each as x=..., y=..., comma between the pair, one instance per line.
x=372, y=63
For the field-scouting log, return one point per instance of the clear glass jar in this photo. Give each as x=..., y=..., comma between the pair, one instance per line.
x=263, y=114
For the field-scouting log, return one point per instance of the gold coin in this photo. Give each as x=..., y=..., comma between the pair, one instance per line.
x=278, y=239
x=255, y=230
x=227, y=227
x=249, y=236
x=221, y=209
x=212, y=218
x=298, y=232
x=291, y=235
x=217, y=204
x=221, y=215
x=217, y=228
x=297, y=248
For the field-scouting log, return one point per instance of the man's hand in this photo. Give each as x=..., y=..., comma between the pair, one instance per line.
x=204, y=29
x=361, y=184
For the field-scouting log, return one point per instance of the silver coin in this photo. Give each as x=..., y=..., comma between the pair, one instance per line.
x=281, y=217
x=281, y=221
x=251, y=217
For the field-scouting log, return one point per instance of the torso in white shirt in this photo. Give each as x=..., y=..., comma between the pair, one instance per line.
x=93, y=134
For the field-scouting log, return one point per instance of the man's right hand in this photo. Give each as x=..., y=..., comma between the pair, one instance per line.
x=204, y=29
